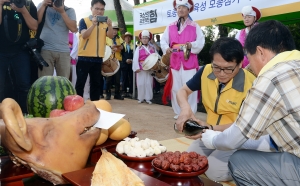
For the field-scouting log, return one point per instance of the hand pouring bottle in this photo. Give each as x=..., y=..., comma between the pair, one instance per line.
x=191, y=128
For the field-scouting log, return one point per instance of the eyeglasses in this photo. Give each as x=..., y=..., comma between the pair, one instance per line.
x=225, y=70
x=99, y=9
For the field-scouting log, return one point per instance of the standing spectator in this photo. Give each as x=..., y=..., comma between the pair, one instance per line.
x=55, y=34
x=126, y=65
x=250, y=16
x=144, y=79
x=91, y=50
x=158, y=44
x=182, y=32
x=115, y=44
x=12, y=53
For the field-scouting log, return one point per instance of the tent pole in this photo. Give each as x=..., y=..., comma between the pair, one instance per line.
x=134, y=47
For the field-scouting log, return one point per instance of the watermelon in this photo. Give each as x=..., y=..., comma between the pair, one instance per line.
x=48, y=93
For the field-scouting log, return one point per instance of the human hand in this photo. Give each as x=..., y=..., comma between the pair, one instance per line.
x=208, y=136
x=109, y=22
x=129, y=61
x=189, y=45
x=60, y=9
x=137, y=71
x=169, y=50
x=47, y=2
x=3, y=1
x=15, y=8
x=185, y=114
x=94, y=20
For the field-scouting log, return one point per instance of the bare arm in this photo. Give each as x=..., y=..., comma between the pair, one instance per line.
x=85, y=33
x=186, y=111
x=41, y=9
x=109, y=32
x=30, y=21
x=71, y=24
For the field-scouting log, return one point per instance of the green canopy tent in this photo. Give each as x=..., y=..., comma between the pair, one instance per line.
x=288, y=18
x=227, y=13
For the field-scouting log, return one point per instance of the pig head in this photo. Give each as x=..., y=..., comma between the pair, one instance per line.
x=49, y=146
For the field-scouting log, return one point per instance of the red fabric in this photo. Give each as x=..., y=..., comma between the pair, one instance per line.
x=190, y=2
x=167, y=89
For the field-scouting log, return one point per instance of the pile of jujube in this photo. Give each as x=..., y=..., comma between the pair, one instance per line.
x=180, y=161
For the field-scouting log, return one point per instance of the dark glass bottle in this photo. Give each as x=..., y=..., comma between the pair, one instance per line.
x=191, y=128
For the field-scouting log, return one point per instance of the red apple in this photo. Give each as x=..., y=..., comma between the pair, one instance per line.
x=56, y=113
x=64, y=112
x=73, y=102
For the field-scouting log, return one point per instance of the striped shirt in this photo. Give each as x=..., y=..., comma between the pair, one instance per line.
x=273, y=104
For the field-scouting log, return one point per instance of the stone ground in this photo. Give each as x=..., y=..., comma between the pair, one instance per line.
x=153, y=121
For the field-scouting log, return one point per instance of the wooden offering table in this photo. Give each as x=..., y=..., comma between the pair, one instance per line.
x=13, y=175
x=145, y=171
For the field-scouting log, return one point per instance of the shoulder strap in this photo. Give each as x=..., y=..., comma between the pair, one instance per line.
x=41, y=25
x=28, y=5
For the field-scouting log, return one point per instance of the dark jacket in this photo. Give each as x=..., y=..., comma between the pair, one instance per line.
x=126, y=55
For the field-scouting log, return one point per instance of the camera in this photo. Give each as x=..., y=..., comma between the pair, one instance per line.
x=33, y=45
x=18, y=3
x=57, y=3
x=101, y=19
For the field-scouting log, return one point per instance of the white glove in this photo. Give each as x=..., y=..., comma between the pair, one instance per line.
x=207, y=138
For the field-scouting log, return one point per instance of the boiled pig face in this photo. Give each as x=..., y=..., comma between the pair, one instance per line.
x=49, y=146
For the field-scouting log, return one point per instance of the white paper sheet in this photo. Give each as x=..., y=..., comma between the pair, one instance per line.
x=107, y=119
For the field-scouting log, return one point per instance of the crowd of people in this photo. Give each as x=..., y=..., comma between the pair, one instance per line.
x=250, y=90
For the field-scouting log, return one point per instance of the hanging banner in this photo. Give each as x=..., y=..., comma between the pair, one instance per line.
x=155, y=16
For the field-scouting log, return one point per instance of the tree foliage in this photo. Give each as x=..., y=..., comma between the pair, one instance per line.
x=294, y=28
x=120, y=16
x=203, y=56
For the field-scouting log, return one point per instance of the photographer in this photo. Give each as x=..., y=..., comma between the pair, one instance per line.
x=15, y=22
x=59, y=19
x=93, y=31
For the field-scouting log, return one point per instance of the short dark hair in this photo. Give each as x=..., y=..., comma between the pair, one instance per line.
x=271, y=35
x=229, y=48
x=97, y=1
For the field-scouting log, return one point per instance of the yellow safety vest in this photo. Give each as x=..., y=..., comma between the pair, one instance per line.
x=119, y=41
x=94, y=45
x=223, y=108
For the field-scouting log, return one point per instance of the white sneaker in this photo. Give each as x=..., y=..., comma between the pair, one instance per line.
x=176, y=117
x=140, y=101
x=149, y=102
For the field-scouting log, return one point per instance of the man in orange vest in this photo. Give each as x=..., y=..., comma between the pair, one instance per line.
x=91, y=50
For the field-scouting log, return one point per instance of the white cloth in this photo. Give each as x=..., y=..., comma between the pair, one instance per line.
x=181, y=77
x=74, y=52
x=144, y=82
x=197, y=45
x=207, y=138
x=237, y=36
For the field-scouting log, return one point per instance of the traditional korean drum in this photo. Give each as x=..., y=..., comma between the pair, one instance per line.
x=165, y=59
x=160, y=70
x=110, y=64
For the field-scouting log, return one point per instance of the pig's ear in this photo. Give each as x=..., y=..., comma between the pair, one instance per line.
x=13, y=118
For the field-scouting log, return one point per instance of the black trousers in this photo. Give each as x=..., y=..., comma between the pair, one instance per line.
x=84, y=68
x=109, y=82
x=127, y=80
